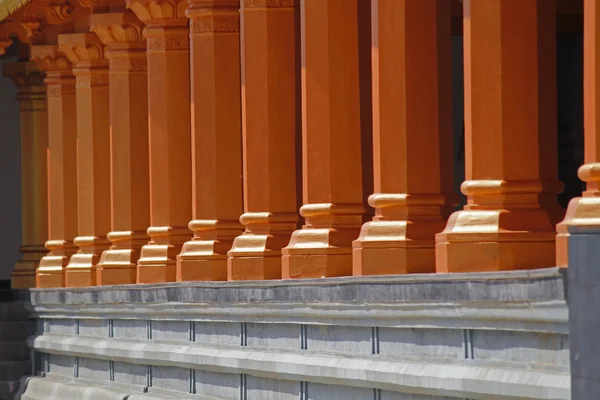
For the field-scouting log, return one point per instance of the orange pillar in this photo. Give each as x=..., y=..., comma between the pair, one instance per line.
x=169, y=128
x=62, y=164
x=584, y=212
x=90, y=68
x=216, y=139
x=34, y=183
x=510, y=135
x=412, y=137
x=270, y=126
x=331, y=142
x=128, y=92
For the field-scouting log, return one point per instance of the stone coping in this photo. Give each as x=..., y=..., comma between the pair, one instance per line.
x=514, y=286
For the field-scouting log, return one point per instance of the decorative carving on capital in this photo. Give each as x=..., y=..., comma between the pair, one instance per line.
x=58, y=90
x=168, y=43
x=54, y=12
x=95, y=5
x=117, y=28
x=80, y=47
x=270, y=3
x=50, y=58
x=214, y=23
x=24, y=73
x=148, y=10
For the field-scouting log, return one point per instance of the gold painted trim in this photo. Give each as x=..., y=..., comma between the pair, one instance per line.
x=7, y=7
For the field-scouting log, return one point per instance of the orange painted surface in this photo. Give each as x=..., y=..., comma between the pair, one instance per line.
x=216, y=139
x=412, y=137
x=168, y=59
x=510, y=137
x=62, y=164
x=90, y=68
x=584, y=211
x=29, y=80
x=270, y=125
x=331, y=142
x=130, y=185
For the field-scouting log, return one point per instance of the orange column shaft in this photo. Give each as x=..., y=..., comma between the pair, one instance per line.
x=510, y=137
x=584, y=212
x=62, y=165
x=331, y=141
x=216, y=139
x=126, y=52
x=270, y=128
x=34, y=175
x=170, y=143
x=412, y=136
x=86, y=52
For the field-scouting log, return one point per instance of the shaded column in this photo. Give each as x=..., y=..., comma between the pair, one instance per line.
x=61, y=164
x=90, y=68
x=331, y=142
x=34, y=175
x=270, y=126
x=510, y=140
x=412, y=137
x=216, y=139
x=584, y=212
x=130, y=194
x=170, y=144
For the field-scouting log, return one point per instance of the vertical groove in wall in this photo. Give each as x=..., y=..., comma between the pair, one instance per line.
x=111, y=370
x=76, y=367
x=303, y=337
x=468, y=343
x=243, y=387
x=149, y=328
x=303, y=390
x=192, y=331
x=149, y=376
x=244, y=334
x=192, y=381
x=77, y=326
x=376, y=394
x=46, y=362
x=111, y=329
x=375, y=349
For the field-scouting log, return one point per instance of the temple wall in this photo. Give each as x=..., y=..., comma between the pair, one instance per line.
x=10, y=177
x=419, y=338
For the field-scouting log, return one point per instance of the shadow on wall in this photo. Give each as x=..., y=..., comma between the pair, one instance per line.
x=10, y=171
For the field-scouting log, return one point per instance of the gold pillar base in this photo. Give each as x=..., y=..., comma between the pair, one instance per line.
x=81, y=270
x=51, y=271
x=157, y=261
x=204, y=258
x=256, y=254
x=118, y=264
x=582, y=211
x=323, y=247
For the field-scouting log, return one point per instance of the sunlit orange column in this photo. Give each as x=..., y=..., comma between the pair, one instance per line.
x=270, y=124
x=90, y=68
x=216, y=139
x=128, y=92
x=510, y=131
x=62, y=164
x=34, y=183
x=170, y=144
x=331, y=142
x=412, y=136
x=584, y=212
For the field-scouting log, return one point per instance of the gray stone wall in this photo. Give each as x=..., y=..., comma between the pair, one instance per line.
x=500, y=336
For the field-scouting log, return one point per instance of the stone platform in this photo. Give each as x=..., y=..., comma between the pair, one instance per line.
x=417, y=337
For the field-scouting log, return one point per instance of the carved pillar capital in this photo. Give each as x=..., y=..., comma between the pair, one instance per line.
x=213, y=16
x=152, y=10
x=30, y=80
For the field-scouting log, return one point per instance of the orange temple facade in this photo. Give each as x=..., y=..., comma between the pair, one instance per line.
x=213, y=140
